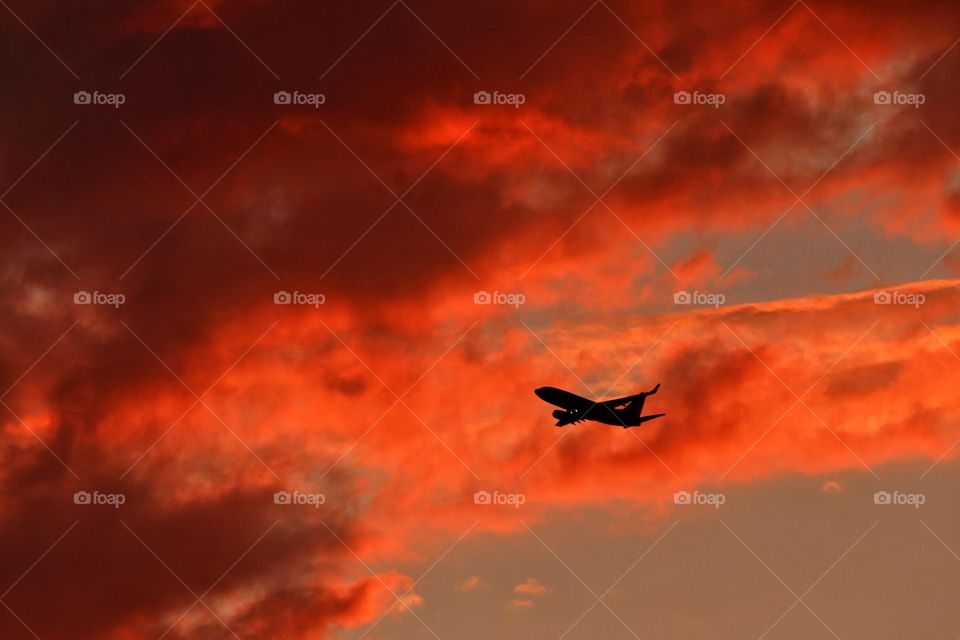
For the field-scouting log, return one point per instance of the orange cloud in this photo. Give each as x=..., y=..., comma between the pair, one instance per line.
x=831, y=486
x=399, y=398
x=530, y=586
x=468, y=584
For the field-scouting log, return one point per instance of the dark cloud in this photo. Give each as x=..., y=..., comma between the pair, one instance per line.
x=288, y=191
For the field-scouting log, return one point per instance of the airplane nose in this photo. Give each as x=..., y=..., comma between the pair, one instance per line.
x=551, y=395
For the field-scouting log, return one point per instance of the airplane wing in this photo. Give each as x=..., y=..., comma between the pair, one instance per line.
x=617, y=403
x=563, y=399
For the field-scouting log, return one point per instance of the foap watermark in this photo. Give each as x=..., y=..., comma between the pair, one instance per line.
x=97, y=498
x=497, y=498
x=499, y=297
x=914, y=500
x=699, y=98
x=899, y=99
x=697, y=498
x=512, y=99
x=97, y=98
x=297, y=98
x=299, y=297
x=899, y=297
x=699, y=298
x=98, y=297
x=299, y=498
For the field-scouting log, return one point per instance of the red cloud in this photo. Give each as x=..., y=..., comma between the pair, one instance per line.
x=199, y=399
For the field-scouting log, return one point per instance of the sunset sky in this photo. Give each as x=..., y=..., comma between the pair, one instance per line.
x=279, y=278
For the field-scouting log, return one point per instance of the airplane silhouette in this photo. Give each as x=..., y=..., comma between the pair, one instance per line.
x=620, y=412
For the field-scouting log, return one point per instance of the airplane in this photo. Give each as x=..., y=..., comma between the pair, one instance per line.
x=620, y=412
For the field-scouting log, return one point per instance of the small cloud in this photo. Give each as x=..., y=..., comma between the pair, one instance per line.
x=532, y=587
x=831, y=486
x=517, y=605
x=843, y=272
x=697, y=267
x=410, y=601
x=469, y=584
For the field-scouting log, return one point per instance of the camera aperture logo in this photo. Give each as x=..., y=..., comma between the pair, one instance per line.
x=899, y=298
x=296, y=98
x=299, y=297
x=512, y=99
x=697, y=498
x=101, y=99
x=899, y=99
x=98, y=297
x=699, y=98
x=299, y=498
x=497, y=498
x=499, y=297
x=96, y=498
x=914, y=500
x=699, y=298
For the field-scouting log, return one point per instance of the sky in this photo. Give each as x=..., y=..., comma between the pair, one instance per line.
x=279, y=278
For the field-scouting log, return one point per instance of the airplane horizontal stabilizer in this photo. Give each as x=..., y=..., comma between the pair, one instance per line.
x=651, y=417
